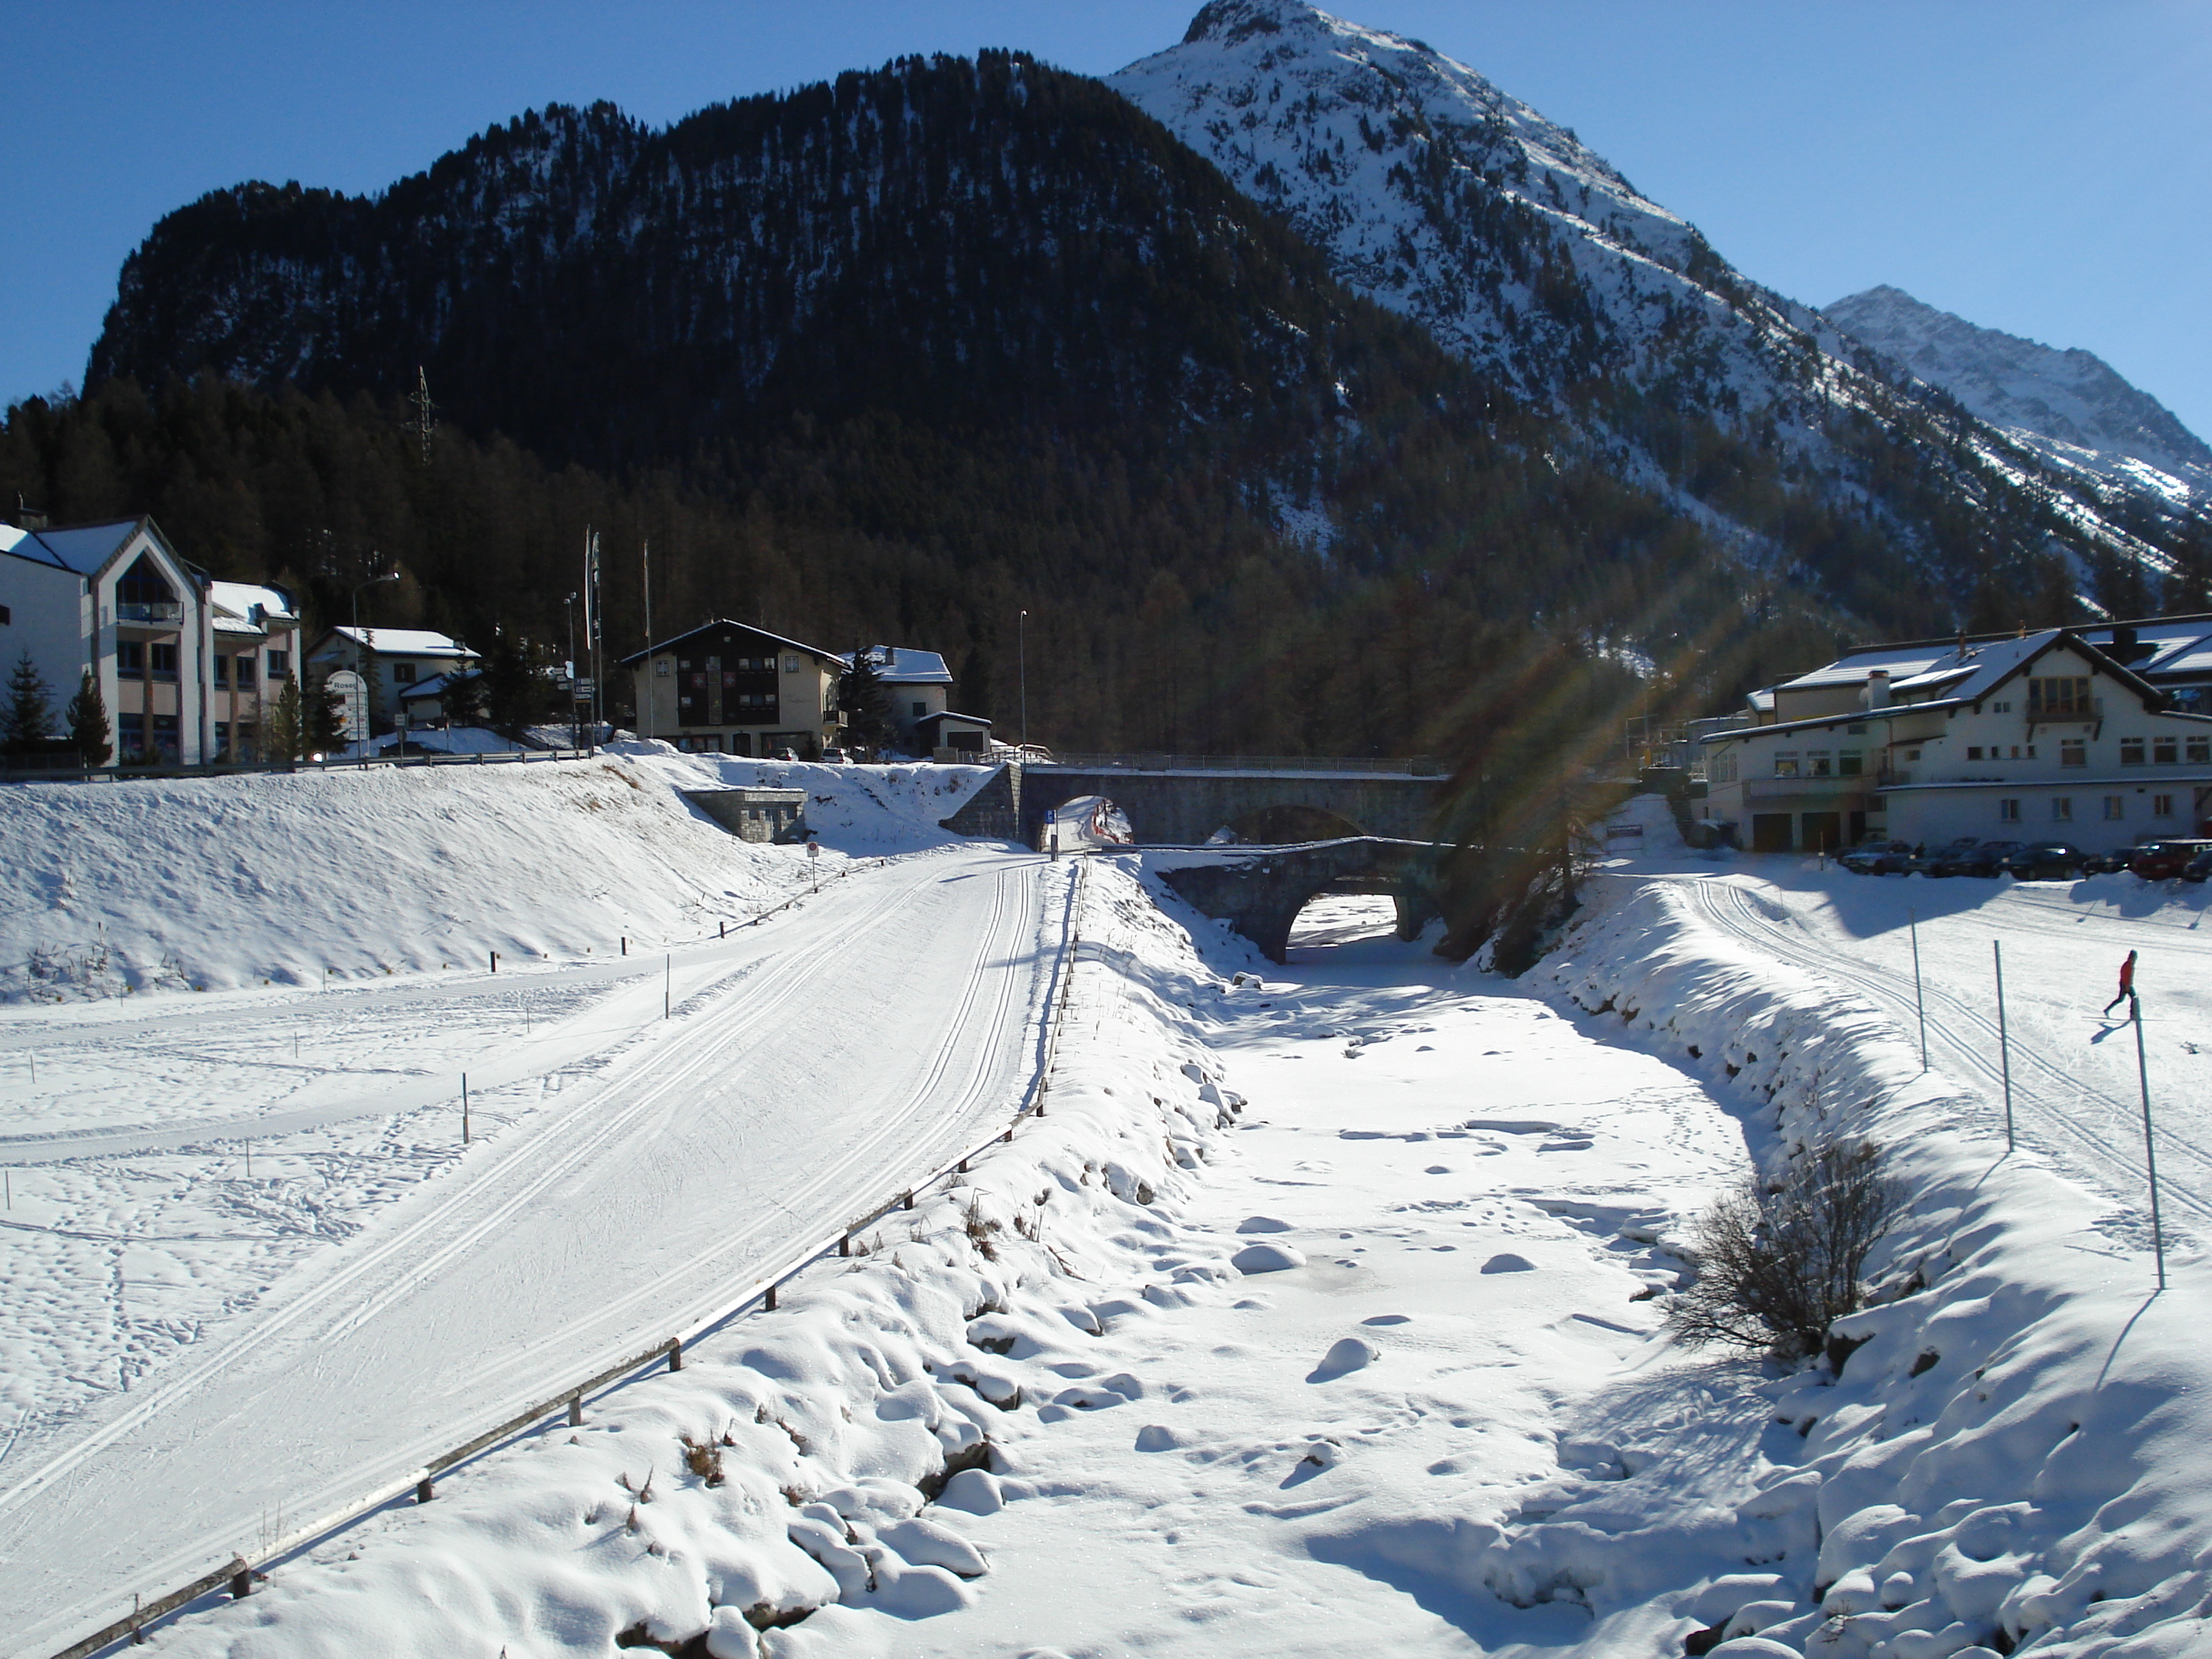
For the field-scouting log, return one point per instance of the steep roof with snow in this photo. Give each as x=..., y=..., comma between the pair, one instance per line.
x=900, y=665
x=675, y=640
x=404, y=642
x=82, y=549
x=246, y=608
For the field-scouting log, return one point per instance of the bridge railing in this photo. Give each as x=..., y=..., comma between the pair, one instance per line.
x=1417, y=766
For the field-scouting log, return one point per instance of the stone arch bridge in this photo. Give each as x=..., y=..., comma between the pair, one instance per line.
x=1303, y=828
x=1259, y=891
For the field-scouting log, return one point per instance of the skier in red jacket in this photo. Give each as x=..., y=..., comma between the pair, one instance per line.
x=2127, y=983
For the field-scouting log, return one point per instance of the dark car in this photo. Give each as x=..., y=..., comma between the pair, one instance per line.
x=2047, y=860
x=2106, y=864
x=2163, y=860
x=1985, y=858
x=1944, y=861
x=2198, y=867
x=1878, y=858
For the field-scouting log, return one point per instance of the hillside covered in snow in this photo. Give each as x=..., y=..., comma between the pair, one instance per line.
x=2071, y=406
x=1439, y=195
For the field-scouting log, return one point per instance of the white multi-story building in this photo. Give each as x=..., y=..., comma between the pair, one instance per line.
x=115, y=599
x=2081, y=735
x=392, y=660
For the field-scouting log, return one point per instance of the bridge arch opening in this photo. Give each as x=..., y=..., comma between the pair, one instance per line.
x=1285, y=825
x=1333, y=919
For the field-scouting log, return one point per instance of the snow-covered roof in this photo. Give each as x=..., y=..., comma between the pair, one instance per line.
x=900, y=665
x=724, y=621
x=949, y=714
x=236, y=603
x=435, y=685
x=405, y=642
x=82, y=548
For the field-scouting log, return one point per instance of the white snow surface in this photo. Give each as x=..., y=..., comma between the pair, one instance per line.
x=1323, y=1307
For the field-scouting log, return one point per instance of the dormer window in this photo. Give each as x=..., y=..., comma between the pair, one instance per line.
x=2058, y=696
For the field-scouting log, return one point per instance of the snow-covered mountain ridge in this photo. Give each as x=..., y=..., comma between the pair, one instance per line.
x=2070, y=405
x=1524, y=251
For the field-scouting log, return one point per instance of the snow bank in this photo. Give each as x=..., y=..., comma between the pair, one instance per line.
x=212, y=883
x=813, y=1465
x=2014, y=1455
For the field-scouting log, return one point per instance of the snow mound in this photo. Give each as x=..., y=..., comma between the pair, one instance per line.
x=1266, y=1259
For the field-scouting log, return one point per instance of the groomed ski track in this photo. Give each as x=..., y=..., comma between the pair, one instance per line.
x=2089, y=1122
x=812, y=1065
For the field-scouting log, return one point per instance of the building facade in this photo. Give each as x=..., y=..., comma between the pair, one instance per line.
x=728, y=688
x=2058, y=735
x=115, y=599
x=916, y=686
x=392, y=660
x=255, y=633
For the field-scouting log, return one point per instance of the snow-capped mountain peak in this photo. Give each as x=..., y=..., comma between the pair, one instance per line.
x=1434, y=191
x=2070, y=405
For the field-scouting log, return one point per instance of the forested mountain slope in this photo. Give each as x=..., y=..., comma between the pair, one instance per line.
x=891, y=359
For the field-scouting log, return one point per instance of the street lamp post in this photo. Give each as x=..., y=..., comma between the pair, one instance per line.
x=361, y=651
x=575, y=733
x=1022, y=658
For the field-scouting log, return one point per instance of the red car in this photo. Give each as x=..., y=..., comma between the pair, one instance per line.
x=2163, y=860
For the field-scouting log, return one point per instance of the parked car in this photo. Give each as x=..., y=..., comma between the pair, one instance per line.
x=784, y=755
x=1878, y=858
x=1985, y=858
x=1943, y=861
x=2198, y=867
x=2047, y=860
x=2106, y=864
x=834, y=757
x=2163, y=860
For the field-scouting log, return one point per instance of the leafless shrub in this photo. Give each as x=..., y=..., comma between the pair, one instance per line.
x=980, y=1230
x=704, y=1459
x=1777, y=1266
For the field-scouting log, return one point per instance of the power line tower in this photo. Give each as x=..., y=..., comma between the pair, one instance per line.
x=425, y=422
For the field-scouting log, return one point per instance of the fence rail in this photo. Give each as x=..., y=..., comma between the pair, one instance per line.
x=239, y=1572
x=1372, y=766
x=223, y=769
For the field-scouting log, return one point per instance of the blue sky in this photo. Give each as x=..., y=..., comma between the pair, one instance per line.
x=2036, y=165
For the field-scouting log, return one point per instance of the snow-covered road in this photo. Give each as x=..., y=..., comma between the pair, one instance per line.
x=811, y=1065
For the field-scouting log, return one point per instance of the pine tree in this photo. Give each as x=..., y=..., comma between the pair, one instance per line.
x=24, y=723
x=462, y=697
x=87, y=723
x=513, y=694
x=866, y=705
x=285, y=727
x=326, y=721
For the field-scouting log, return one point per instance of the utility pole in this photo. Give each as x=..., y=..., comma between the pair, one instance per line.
x=2004, y=1042
x=1920, y=1000
x=2150, y=1152
x=424, y=423
x=575, y=734
x=1022, y=658
x=646, y=711
x=593, y=623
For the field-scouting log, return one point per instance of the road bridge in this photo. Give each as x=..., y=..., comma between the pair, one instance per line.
x=1182, y=801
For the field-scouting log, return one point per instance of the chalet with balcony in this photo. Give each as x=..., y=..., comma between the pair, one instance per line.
x=2056, y=735
x=731, y=689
